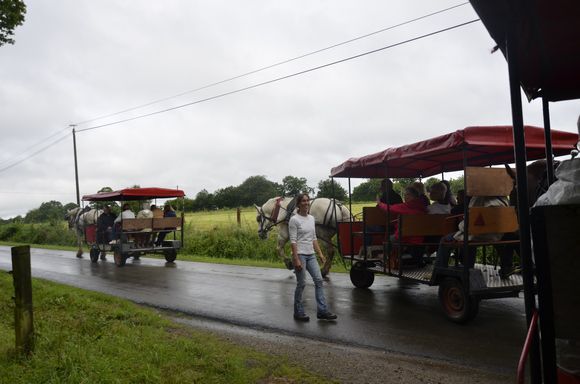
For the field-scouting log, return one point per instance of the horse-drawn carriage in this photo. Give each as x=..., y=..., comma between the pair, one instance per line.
x=472, y=149
x=136, y=236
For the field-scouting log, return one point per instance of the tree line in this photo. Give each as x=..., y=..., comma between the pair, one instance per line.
x=254, y=190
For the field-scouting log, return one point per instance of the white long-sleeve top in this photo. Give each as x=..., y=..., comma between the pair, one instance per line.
x=126, y=214
x=302, y=232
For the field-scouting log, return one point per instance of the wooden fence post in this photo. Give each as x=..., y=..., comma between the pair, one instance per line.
x=23, y=324
x=239, y=216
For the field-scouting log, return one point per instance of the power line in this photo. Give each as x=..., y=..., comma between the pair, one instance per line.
x=33, y=146
x=34, y=153
x=279, y=78
x=273, y=65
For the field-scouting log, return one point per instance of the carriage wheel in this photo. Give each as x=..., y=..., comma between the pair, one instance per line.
x=458, y=306
x=94, y=253
x=120, y=258
x=360, y=276
x=170, y=255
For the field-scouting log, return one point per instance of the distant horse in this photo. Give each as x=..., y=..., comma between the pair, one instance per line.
x=278, y=210
x=78, y=219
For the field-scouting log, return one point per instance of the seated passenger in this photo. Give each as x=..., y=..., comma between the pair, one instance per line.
x=459, y=207
x=388, y=194
x=157, y=213
x=142, y=240
x=167, y=212
x=437, y=194
x=412, y=205
x=420, y=188
x=125, y=214
x=449, y=198
x=456, y=238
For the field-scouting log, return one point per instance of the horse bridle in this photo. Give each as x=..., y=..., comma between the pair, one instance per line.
x=272, y=221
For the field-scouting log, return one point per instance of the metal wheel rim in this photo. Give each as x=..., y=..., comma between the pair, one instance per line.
x=454, y=300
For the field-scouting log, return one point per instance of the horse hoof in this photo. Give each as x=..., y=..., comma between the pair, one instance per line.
x=79, y=256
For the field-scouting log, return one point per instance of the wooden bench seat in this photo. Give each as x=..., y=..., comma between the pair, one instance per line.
x=167, y=223
x=135, y=225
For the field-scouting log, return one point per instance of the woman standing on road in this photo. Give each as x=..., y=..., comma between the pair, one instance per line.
x=303, y=241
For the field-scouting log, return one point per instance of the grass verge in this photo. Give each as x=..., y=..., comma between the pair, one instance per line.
x=87, y=337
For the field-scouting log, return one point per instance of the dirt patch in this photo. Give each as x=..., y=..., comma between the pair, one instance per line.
x=347, y=364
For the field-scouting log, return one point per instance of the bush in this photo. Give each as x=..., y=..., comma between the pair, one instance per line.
x=45, y=233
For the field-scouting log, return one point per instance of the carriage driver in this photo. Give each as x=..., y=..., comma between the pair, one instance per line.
x=105, y=224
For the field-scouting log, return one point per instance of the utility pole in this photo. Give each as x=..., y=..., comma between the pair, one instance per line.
x=76, y=164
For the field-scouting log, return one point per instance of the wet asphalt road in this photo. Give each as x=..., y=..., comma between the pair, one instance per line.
x=391, y=316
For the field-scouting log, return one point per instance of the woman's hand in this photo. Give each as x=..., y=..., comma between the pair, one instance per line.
x=297, y=264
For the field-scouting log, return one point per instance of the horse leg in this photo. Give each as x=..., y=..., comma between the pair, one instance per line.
x=79, y=236
x=282, y=254
x=329, y=256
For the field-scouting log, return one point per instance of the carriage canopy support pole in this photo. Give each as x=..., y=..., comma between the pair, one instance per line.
x=548, y=139
x=522, y=187
x=76, y=165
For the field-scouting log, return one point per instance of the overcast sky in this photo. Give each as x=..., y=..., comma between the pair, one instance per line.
x=78, y=60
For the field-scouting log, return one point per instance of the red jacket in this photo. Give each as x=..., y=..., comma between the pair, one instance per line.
x=414, y=206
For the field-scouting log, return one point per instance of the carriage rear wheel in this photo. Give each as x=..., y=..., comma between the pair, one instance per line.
x=94, y=253
x=457, y=304
x=170, y=255
x=360, y=276
x=120, y=258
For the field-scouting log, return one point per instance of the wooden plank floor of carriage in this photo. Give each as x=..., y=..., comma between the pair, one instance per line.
x=391, y=316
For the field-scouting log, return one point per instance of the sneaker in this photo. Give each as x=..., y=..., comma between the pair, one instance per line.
x=301, y=317
x=326, y=316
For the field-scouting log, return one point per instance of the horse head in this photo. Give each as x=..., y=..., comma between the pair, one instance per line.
x=273, y=212
x=71, y=216
x=264, y=218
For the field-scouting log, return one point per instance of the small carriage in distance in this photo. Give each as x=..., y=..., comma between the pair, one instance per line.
x=472, y=150
x=135, y=237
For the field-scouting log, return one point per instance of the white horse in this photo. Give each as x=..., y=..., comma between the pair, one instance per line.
x=327, y=212
x=78, y=219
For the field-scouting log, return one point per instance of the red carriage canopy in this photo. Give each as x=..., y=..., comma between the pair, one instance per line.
x=135, y=194
x=481, y=146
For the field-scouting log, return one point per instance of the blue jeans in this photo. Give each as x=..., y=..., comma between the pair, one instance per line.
x=309, y=264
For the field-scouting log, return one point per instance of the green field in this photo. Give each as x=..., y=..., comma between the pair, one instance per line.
x=225, y=218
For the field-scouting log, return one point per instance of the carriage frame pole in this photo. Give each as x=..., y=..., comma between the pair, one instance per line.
x=76, y=164
x=521, y=180
x=548, y=140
